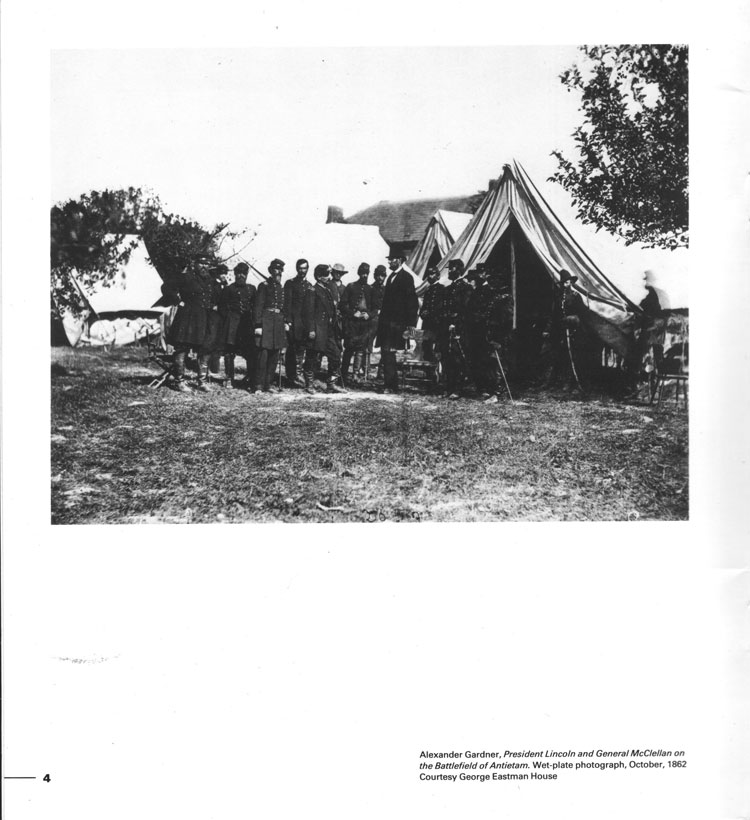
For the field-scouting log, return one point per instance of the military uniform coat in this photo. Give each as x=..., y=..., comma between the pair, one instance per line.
x=294, y=298
x=398, y=312
x=455, y=298
x=320, y=314
x=192, y=323
x=357, y=298
x=236, y=311
x=432, y=308
x=268, y=315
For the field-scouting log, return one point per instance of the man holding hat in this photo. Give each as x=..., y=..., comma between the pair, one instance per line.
x=399, y=312
x=452, y=352
x=236, y=304
x=294, y=299
x=356, y=308
x=270, y=328
x=321, y=327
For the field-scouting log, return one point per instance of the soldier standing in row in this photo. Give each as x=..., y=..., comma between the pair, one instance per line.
x=236, y=304
x=337, y=286
x=270, y=328
x=490, y=336
x=193, y=321
x=294, y=298
x=430, y=312
x=356, y=309
x=321, y=327
x=220, y=276
x=452, y=353
x=562, y=324
x=475, y=329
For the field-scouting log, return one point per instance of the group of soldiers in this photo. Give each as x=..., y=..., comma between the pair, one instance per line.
x=216, y=319
x=466, y=325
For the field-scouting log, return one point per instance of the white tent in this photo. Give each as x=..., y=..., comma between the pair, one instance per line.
x=442, y=231
x=120, y=310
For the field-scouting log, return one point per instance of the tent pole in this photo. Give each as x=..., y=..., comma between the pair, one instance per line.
x=513, y=277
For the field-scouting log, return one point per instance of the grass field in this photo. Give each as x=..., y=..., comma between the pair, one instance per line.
x=124, y=453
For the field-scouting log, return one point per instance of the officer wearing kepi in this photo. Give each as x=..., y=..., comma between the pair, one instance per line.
x=236, y=304
x=430, y=312
x=294, y=297
x=270, y=328
x=452, y=352
x=320, y=321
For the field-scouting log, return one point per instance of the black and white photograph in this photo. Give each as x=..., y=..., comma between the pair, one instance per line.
x=419, y=281
x=370, y=284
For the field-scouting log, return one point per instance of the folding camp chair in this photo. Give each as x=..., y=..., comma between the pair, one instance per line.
x=160, y=357
x=673, y=367
x=407, y=361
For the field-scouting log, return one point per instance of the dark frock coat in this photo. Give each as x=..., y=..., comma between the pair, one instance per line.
x=193, y=322
x=236, y=311
x=398, y=312
x=320, y=314
x=268, y=315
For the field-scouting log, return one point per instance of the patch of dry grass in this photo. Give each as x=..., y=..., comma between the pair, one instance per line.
x=123, y=453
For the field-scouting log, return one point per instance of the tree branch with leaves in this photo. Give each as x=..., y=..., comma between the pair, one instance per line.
x=631, y=173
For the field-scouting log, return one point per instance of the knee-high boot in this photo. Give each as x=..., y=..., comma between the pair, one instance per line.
x=229, y=366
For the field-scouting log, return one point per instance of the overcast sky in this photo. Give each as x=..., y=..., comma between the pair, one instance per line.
x=259, y=137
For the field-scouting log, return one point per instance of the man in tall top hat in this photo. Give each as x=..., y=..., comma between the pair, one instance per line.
x=356, y=308
x=236, y=304
x=270, y=328
x=321, y=326
x=398, y=312
x=294, y=298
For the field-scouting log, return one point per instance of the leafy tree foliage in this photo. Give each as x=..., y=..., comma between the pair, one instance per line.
x=631, y=176
x=89, y=235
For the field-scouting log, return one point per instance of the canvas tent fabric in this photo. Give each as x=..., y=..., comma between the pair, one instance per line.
x=121, y=310
x=439, y=236
x=515, y=197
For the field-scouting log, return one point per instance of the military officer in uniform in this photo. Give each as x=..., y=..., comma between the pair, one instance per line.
x=451, y=326
x=191, y=327
x=356, y=309
x=429, y=313
x=558, y=335
x=321, y=326
x=236, y=304
x=270, y=328
x=337, y=286
x=220, y=275
x=488, y=327
x=294, y=298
